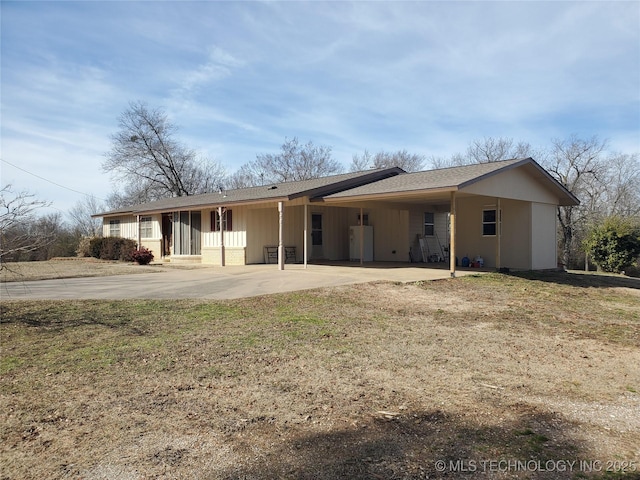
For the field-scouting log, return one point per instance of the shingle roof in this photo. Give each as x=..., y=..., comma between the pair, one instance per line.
x=428, y=180
x=280, y=191
x=454, y=178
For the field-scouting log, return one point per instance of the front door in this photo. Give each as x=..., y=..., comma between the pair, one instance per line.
x=167, y=233
x=316, y=236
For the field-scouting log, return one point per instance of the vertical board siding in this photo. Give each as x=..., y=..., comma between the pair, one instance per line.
x=516, y=232
x=543, y=236
x=128, y=227
x=235, y=238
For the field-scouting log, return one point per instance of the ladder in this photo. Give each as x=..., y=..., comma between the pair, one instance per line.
x=424, y=248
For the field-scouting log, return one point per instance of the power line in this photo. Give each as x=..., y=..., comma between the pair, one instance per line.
x=50, y=181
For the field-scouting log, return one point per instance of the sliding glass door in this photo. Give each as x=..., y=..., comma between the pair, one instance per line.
x=187, y=227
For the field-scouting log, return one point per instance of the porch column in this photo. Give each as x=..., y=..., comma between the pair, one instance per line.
x=222, y=253
x=139, y=234
x=280, y=235
x=305, y=244
x=452, y=238
x=498, y=234
x=361, y=236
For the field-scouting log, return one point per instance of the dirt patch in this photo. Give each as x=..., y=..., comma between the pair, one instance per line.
x=369, y=381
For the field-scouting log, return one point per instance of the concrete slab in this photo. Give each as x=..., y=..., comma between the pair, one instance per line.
x=217, y=282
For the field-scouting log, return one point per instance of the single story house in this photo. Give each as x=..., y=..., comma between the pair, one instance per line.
x=503, y=212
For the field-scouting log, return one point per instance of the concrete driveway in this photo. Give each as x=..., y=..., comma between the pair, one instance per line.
x=216, y=282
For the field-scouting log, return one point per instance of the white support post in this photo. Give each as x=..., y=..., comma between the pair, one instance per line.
x=222, y=252
x=498, y=234
x=305, y=244
x=139, y=234
x=361, y=237
x=452, y=239
x=280, y=236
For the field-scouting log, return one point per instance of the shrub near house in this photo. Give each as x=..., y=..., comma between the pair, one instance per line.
x=615, y=244
x=112, y=248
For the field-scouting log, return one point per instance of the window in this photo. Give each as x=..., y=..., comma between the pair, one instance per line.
x=429, y=227
x=227, y=220
x=146, y=227
x=489, y=225
x=114, y=228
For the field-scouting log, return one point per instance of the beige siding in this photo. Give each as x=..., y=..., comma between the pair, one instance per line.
x=390, y=235
x=516, y=235
x=514, y=184
x=262, y=231
x=543, y=236
x=128, y=227
x=235, y=238
x=515, y=245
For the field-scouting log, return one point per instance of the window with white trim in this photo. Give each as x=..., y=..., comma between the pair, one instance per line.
x=489, y=222
x=429, y=224
x=114, y=228
x=146, y=227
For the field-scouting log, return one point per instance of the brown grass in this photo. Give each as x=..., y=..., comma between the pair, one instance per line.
x=370, y=381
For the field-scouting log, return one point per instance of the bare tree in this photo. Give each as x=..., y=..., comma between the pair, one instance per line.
x=579, y=166
x=294, y=162
x=20, y=233
x=410, y=162
x=487, y=150
x=81, y=218
x=622, y=196
x=149, y=163
x=491, y=149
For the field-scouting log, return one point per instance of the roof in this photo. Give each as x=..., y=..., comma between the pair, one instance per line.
x=452, y=178
x=272, y=192
x=358, y=185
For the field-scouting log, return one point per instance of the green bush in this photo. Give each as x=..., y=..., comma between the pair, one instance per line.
x=112, y=248
x=615, y=244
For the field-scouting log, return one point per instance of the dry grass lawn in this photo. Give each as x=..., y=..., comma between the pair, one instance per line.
x=373, y=381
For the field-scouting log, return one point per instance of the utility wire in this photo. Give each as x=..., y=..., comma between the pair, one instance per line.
x=50, y=181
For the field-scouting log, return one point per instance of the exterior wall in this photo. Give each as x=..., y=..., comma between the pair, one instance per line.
x=155, y=246
x=543, y=236
x=390, y=235
x=515, y=244
x=515, y=184
x=516, y=235
x=262, y=230
x=439, y=243
x=233, y=255
x=128, y=227
x=235, y=238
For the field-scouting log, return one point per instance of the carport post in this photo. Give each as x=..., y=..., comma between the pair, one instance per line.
x=361, y=237
x=222, y=254
x=305, y=244
x=452, y=238
x=498, y=234
x=280, y=235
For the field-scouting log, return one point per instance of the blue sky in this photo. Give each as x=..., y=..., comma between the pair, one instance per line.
x=239, y=77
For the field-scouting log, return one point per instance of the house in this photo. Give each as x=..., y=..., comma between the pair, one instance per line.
x=503, y=212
